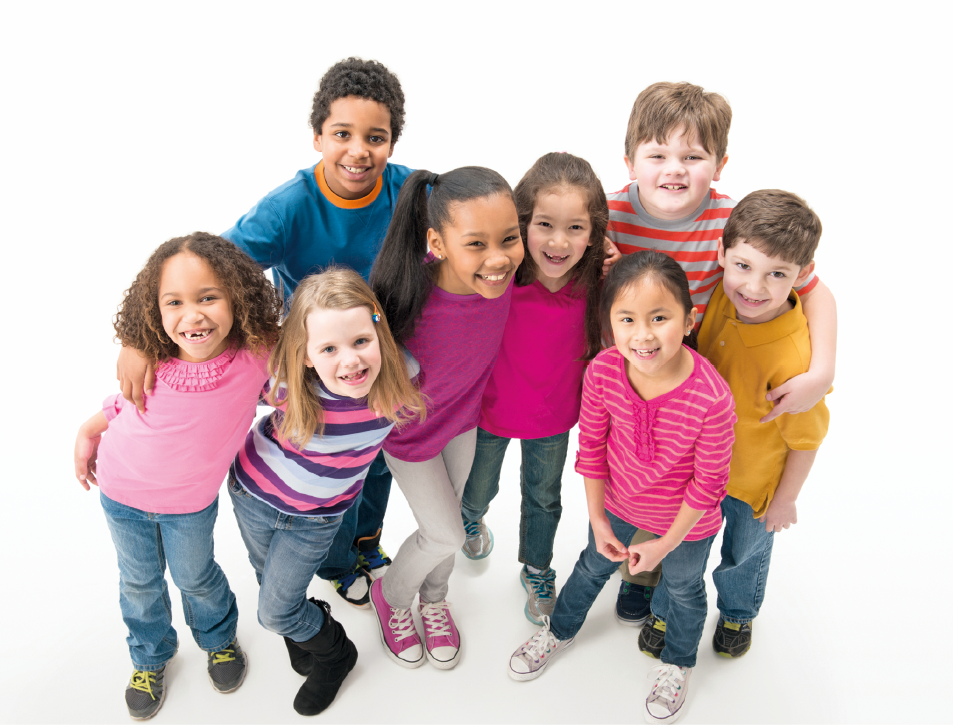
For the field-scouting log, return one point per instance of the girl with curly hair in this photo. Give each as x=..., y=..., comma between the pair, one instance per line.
x=204, y=311
x=339, y=385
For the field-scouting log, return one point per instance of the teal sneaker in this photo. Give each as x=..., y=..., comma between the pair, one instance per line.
x=540, y=594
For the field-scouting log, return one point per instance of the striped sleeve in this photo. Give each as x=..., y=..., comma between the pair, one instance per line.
x=591, y=460
x=712, y=447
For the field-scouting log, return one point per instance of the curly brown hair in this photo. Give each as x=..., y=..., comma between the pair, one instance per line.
x=256, y=304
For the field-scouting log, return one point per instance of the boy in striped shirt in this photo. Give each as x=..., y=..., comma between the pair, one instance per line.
x=675, y=147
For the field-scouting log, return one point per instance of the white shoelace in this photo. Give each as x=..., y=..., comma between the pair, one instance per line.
x=401, y=623
x=435, y=618
x=541, y=643
x=668, y=682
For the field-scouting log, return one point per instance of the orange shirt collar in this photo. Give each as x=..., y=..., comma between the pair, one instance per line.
x=340, y=202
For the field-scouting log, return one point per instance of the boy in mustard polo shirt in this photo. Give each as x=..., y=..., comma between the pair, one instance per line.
x=756, y=335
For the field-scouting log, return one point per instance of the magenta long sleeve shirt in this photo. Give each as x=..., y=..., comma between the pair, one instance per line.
x=655, y=454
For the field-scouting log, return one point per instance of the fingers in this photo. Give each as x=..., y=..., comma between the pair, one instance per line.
x=138, y=398
x=150, y=380
x=779, y=409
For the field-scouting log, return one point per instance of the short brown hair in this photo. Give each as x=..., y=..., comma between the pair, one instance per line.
x=776, y=223
x=663, y=108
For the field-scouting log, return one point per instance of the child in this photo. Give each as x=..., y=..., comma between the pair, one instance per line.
x=675, y=147
x=340, y=384
x=203, y=310
x=336, y=211
x=449, y=313
x=536, y=385
x=756, y=336
x=655, y=434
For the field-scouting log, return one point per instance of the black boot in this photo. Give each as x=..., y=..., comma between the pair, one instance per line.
x=333, y=655
x=300, y=660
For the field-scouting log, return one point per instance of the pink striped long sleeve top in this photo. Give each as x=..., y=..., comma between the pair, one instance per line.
x=653, y=455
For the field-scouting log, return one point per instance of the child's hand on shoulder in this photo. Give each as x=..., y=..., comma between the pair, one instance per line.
x=780, y=515
x=797, y=395
x=136, y=375
x=613, y=255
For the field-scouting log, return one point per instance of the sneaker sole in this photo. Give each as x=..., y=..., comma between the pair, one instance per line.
x=631, y=622
x=237, y=684
x=650, y=718
x=537, y=622
x=481, y=556
x=409, y=664
x=527, y=676
x=449, y=664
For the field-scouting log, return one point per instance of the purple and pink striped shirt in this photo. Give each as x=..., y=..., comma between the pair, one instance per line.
x=655, y=454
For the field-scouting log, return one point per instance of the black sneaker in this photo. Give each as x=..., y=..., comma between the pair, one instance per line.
x=632, y=604
x=227, y=667
x=732, y=639
x=145, y=693
x=652, y=637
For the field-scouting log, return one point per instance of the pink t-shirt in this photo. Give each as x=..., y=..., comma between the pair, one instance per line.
x=655, y=454
x=173, y=458
x=536, y=383
x=456, y=341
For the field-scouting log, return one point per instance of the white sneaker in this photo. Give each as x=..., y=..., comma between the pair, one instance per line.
x=668, y=694
x=529, y=661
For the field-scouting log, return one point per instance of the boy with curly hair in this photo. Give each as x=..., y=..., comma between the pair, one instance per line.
x=334, y=212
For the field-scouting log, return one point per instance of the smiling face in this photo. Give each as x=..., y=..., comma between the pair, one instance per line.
x=756, y=284
x=344, y=350
x=673, y=177
x=355, y=142
x=558, y=234
x=649, y=326
x=480, y=249
x=196, y=311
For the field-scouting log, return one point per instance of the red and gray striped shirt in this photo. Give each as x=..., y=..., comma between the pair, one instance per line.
x=691, y=241
x=654, y=455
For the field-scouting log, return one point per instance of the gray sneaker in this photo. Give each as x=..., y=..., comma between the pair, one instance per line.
x=145, y=693
x=540, y=593
x=529, y=661
x=479, y=541
x=668, y=694
x=227, y=667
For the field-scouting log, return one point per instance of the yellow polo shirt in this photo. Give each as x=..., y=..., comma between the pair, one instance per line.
x=753, y=359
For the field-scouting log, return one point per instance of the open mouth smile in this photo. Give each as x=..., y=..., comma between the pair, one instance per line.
x=195, y=335
x=552, y=259
x=355, y=378
x=750, y=302
x=646, y=354
x=493, y=279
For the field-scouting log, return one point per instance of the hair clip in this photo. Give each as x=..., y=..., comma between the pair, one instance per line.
x=376, y=316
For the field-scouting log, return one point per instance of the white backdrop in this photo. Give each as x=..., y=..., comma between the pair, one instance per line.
x=126, y=124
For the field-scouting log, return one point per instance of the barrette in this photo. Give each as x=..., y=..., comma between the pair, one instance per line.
x=376, y=316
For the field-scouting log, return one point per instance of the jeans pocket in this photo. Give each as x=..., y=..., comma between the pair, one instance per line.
x=235, y=487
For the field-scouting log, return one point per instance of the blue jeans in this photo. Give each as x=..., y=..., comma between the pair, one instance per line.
x=285, y=551
x=745, y=555
x=540, y=484
x=683, y=569
x=364, y=519
x=144, y=542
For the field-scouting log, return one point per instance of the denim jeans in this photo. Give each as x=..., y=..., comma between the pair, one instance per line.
x=745, y=555
x=365, y=518
x=144, y=542
x=541, y=471
x=684, y=568
x=285, y=551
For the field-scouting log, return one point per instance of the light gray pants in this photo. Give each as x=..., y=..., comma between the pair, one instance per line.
x=433, y=490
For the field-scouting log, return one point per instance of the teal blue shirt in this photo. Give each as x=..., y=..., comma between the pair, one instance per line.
x=302, y=226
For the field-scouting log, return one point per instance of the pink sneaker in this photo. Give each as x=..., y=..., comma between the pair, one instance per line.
x=441, y=635
x=398, y=633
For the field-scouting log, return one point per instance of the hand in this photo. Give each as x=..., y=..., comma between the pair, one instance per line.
x=613, y=255
x=84, y=458
x=646, y=556
x=780, y=515
x=797, y=395
x=606, y=542
x=136, y=375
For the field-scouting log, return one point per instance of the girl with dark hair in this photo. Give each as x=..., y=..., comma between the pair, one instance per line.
x=655, y=436
x=203, y=310
x=534, y=392
x=448, y=308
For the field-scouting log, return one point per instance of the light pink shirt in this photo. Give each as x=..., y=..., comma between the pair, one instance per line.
x=536, y=384
x=655, y=454
x=173, y=458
